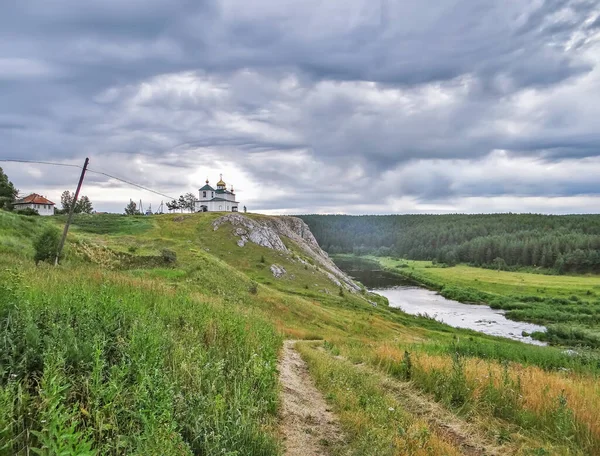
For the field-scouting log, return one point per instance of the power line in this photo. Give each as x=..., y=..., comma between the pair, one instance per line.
x=39, y=162
x=89, y=171
x=131, y=183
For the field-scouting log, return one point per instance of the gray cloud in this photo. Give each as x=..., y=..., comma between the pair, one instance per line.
x=309, y=104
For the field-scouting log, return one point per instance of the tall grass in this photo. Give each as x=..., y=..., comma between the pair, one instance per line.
x=547, y=358
x=559, y=407
x=117, y=365
x=375, y=422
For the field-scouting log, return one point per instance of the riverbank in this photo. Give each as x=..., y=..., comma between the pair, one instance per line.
x=569, y=306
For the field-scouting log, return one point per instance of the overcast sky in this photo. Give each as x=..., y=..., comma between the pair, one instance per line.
x=308, y=106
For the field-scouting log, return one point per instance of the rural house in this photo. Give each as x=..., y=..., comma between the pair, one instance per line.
x=36, y=202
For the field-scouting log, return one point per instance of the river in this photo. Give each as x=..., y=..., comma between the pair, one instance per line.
x=416, y=300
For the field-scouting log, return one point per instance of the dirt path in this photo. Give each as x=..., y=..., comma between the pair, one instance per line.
x=308, y=426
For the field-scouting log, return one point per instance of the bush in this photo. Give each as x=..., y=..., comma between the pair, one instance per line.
x=27, y=211
x=168, y=256
x=253, y=288
x=46, y=245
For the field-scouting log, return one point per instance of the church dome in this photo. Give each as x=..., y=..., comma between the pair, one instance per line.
x=221, y=183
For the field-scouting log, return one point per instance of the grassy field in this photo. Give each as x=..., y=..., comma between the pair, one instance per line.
x=117, y=353
x=504, y=283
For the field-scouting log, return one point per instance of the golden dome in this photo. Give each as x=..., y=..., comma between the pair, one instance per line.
x=221, y=183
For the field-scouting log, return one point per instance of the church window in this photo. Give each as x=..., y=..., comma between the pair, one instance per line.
x=203, y=194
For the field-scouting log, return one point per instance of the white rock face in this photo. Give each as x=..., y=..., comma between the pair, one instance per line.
x=278, y=271
x=250, y=230
x=267, y=232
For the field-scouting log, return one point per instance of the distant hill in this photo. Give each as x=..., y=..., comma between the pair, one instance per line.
x=563, y=243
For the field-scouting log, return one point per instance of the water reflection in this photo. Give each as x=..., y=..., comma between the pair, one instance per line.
x=416, y=300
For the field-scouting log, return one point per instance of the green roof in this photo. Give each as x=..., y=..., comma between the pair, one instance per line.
x=207, y=187
x=223, y=199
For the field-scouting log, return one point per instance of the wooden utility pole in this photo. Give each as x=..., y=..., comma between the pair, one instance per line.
x=71, y=211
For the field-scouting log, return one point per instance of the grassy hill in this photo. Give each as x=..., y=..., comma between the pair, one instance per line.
x=121, y=350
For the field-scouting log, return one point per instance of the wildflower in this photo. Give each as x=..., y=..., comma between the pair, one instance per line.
x=391, y=409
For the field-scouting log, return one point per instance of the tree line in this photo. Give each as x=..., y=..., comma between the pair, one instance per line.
x=565, y=243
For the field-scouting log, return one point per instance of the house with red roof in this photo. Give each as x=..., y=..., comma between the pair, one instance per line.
x=37, y=202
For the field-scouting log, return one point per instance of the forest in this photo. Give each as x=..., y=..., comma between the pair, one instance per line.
x=554, y=243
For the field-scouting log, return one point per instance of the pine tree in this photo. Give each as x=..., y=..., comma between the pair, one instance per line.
x=182, y=203
x=131, y=208
x=172, y=205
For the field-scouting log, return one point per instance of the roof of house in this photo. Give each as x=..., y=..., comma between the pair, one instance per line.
x=34, y=198
x=207, y=187
x=220, y=199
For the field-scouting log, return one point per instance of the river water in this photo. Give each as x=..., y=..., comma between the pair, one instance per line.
x=416, y=300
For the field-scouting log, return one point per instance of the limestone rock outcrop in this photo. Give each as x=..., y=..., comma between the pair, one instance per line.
x=267, y=232
x=278, y=271
x=250, y=230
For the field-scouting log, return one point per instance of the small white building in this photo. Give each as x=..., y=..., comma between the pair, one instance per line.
x=37, y=202
x=216, y=200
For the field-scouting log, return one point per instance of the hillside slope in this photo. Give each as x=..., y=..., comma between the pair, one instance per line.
x=161, y=335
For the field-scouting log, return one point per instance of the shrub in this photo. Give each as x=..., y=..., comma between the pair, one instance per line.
x=262, y=258
x=46, y=245
x=132, y=249
x=27, y=211
x=168, y=256
x=253, y=288
x=406, y=367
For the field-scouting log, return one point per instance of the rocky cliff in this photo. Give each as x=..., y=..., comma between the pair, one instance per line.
x=268, y=232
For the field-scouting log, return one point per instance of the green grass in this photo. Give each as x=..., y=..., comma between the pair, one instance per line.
x=128, y=367
x=113, y=224
x=548, y=358
x=16, y=232
x=501, y=283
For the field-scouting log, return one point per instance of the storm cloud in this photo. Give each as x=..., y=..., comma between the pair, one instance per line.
x=306, y=106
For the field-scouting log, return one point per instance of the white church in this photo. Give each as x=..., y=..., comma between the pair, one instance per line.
x=219, y=200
